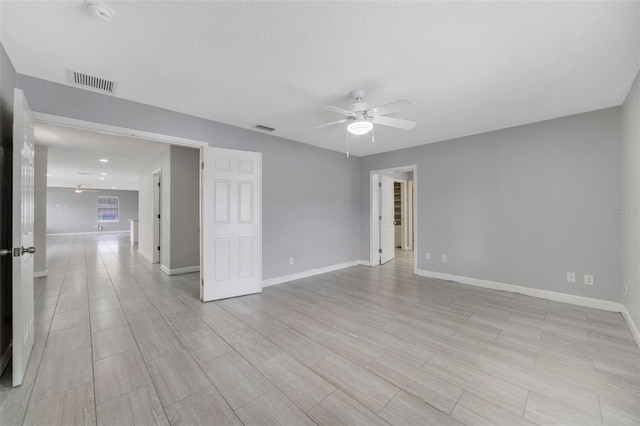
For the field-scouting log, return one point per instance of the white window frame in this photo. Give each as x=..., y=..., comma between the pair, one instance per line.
x=117, y=208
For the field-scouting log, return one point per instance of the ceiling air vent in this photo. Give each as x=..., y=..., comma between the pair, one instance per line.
x=264, y=128
x=92, y=83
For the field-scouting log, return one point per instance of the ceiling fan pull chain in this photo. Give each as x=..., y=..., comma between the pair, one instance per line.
x=347, y=144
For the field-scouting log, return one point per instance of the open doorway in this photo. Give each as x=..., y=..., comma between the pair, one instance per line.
x=88, y=162
x=393, y=207
x=212, y=192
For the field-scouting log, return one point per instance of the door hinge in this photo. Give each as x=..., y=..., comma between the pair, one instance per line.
x=380, y=217
x=380, y=184
x=202, y=166
x=158, y=183
x=379, y=250
x=158, y=216
x=158, y=247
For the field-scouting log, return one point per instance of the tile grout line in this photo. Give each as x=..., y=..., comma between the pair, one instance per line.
x=93, y=373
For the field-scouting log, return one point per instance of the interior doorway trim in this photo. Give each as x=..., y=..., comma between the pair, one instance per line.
x=115, y=130
x=156, y=211
x=374, y=205
x=119, y=131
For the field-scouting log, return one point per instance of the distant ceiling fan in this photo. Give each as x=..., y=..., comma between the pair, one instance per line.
x=363, y=115
x=80, y=188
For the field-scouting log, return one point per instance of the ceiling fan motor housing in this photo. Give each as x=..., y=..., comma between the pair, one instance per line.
x=360, y=109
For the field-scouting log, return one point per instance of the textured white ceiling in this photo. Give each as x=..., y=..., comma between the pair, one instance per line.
x=471, y=67
x=74, y=151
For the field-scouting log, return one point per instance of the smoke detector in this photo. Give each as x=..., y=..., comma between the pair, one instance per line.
x=100, y=10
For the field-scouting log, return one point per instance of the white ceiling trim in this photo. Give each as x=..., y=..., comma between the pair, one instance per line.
x=115, y=130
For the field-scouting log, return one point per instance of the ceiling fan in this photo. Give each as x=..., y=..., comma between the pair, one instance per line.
x=80, y=188
x=363, y=115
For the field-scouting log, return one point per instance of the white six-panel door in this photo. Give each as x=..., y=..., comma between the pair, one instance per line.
x=23, y=195
x=387, y=227
x=231, y=221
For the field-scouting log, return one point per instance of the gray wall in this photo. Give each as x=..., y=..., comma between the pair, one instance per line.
x=631, y=201
x=180, y=207
x=185, y=207
x=68, y=212
x=522, y=206
x=40, y=208
x=7, y=84
x=145, y=208
x=310, y=207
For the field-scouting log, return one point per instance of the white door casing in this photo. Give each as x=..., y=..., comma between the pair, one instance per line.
x=156, y=208
x=375, y=213
x=231, y=223
x=22, y=231
x=409, y=215
x=387, y=227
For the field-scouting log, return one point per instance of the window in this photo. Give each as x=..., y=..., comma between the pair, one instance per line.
x=108, y=209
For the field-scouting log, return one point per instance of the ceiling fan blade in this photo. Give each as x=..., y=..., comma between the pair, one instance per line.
x=336, y=109
x=395, y=122
x=326, y=125
x=394, y=107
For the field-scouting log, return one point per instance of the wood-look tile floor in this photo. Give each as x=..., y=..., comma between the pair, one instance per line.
x=118, y=342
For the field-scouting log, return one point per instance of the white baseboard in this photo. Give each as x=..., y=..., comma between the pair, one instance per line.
x=605, y=305
x=364, y=262
x=632, y=325
x=309, y=273
x=178, y=271
x=60, y=234
x=40, y=274
x=145, y=256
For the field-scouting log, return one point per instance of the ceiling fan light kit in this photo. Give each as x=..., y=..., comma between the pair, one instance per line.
x=80, y=188
x=362, y=116
x=360, y=127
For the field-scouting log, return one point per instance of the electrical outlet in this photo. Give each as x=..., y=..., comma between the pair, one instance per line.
x=444, y=258
x=571, y=277
x=291, y=261
x=427, y=256
x=588, y=280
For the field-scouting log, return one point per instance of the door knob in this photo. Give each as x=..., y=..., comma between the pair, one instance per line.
x=30, y=250
x=4, y=252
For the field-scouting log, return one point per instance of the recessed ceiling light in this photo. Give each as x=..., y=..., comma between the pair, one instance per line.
x=100, y=178
x=103, y=160
x=103, y=174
